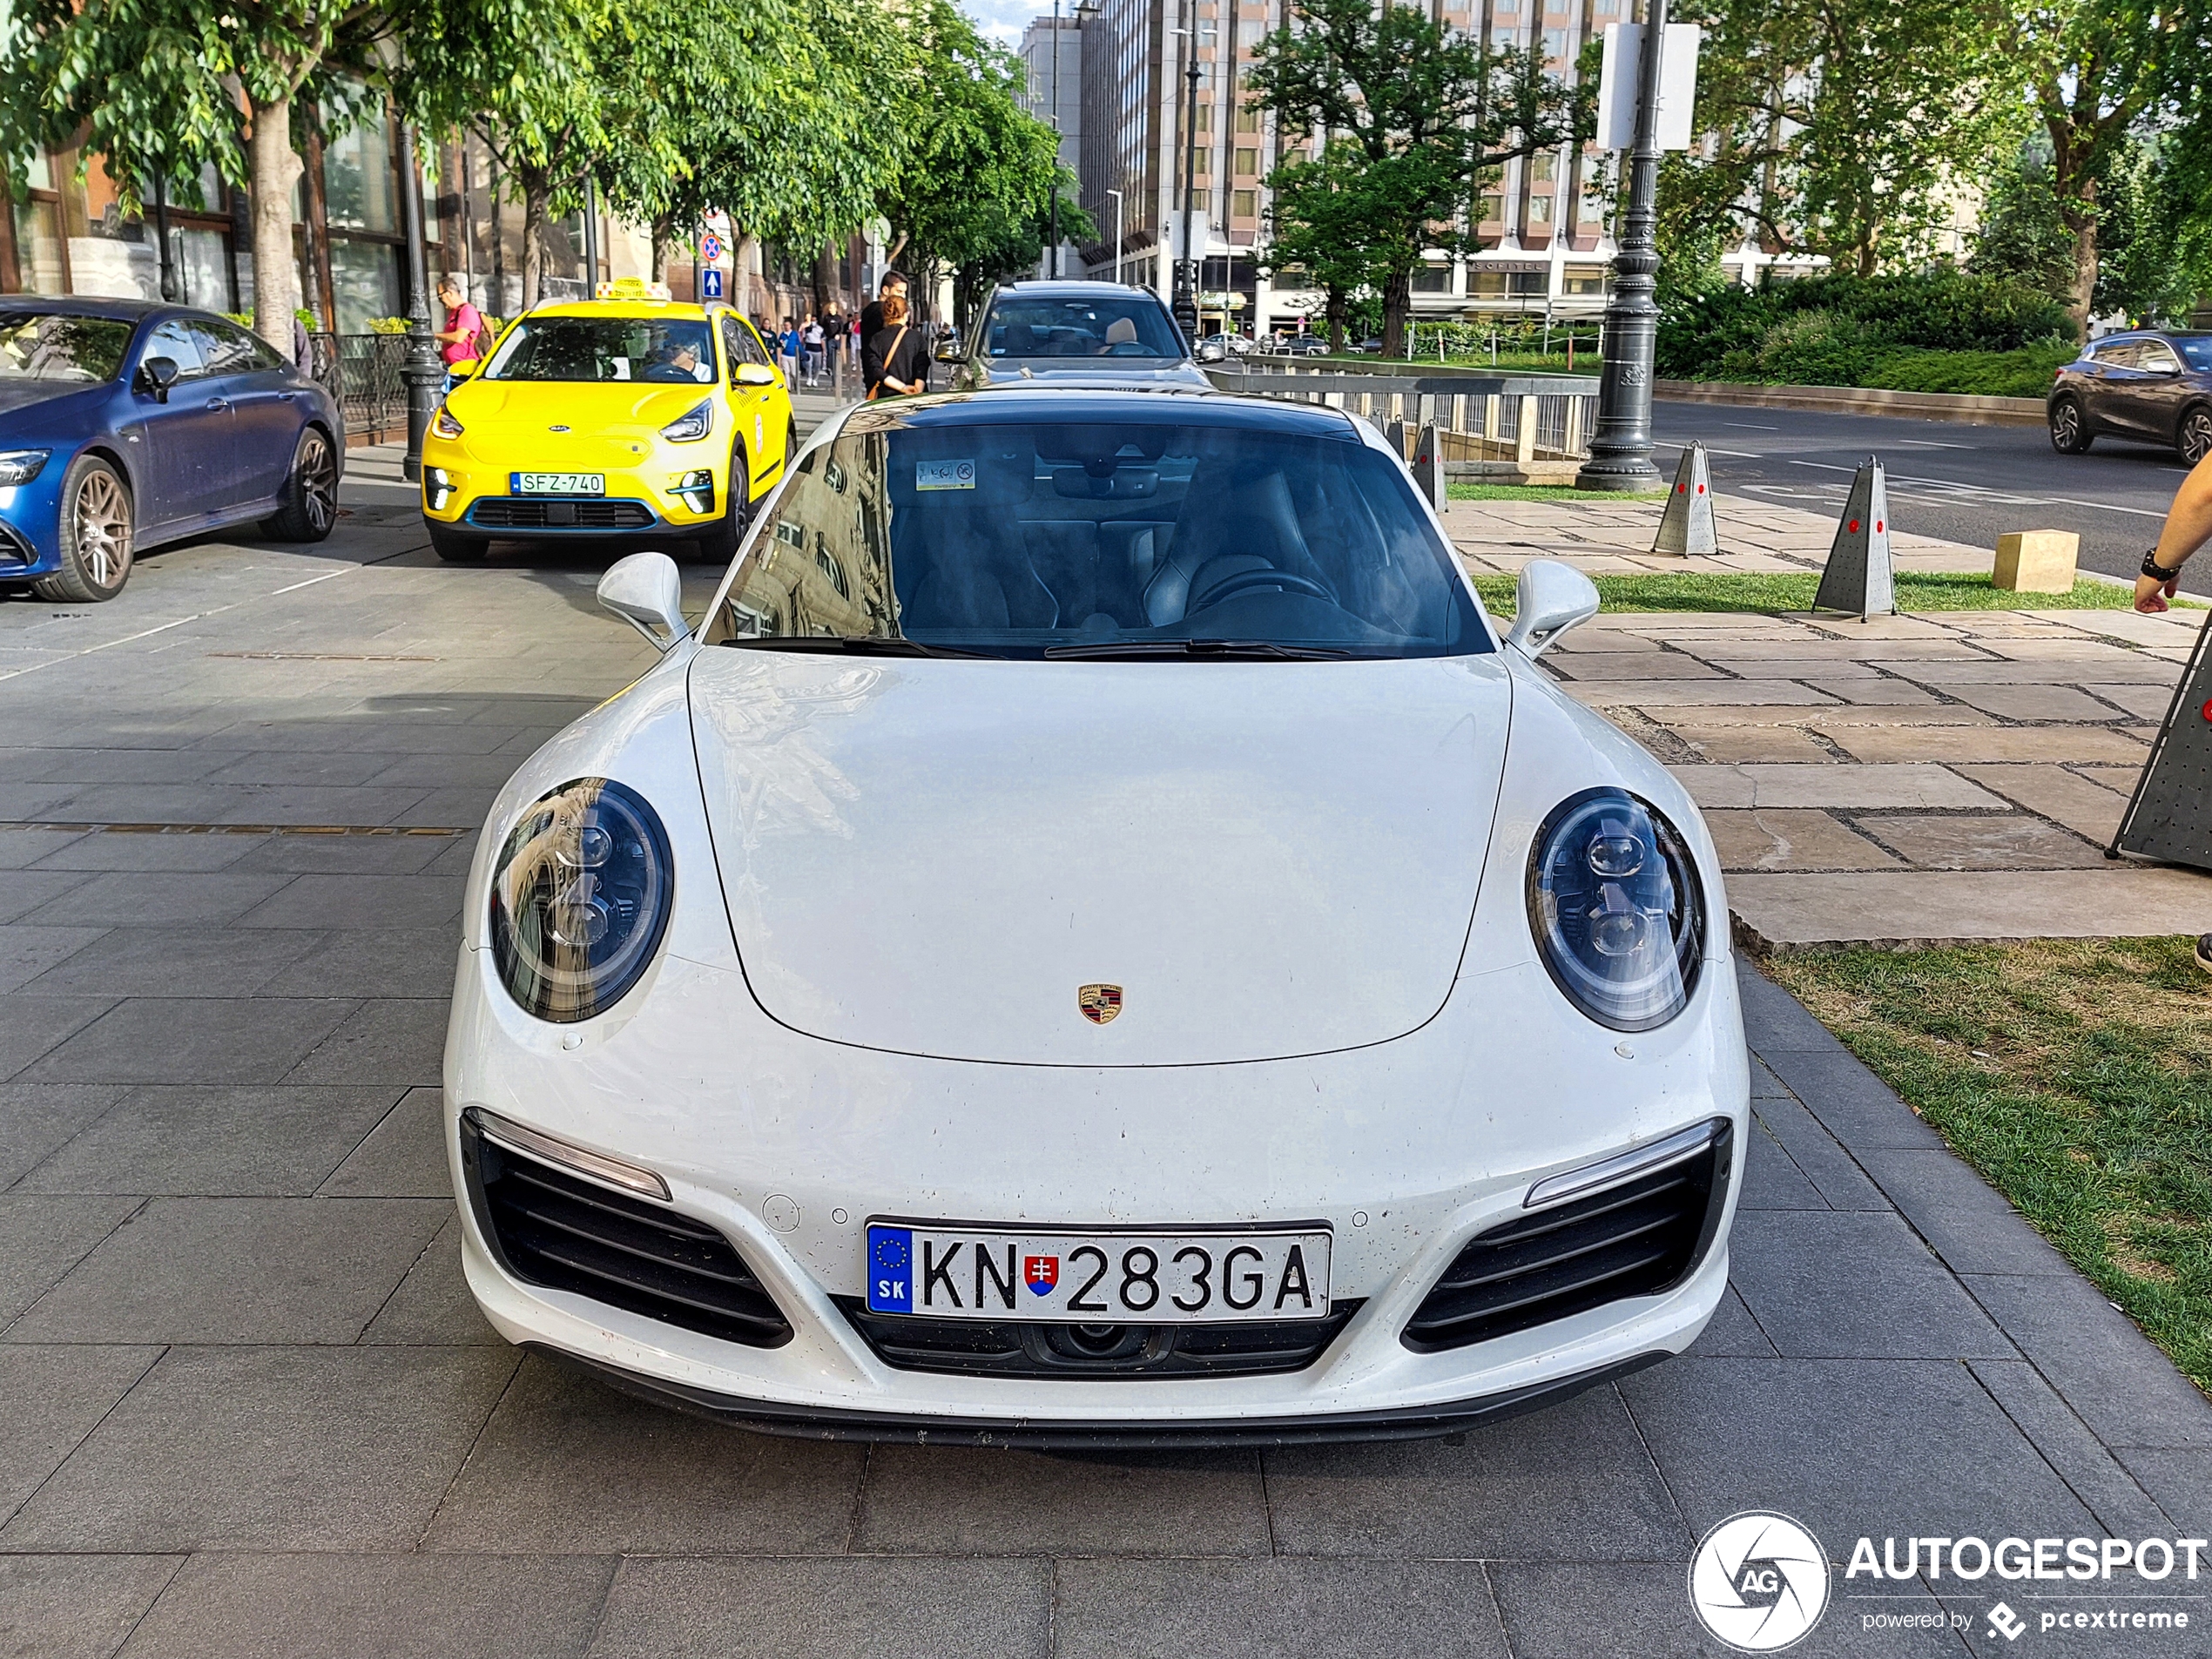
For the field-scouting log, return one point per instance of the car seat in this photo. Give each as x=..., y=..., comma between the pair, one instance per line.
x=1251, y=525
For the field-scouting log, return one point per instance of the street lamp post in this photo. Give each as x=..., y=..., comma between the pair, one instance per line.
x=1621, y=444
x=591, y=237
x=161, y=236
x=1186, y=273
x=421, y=371
x=1117, y=195
x=1054, y=256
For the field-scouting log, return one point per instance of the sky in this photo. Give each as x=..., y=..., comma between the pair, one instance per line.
x=1002, y=21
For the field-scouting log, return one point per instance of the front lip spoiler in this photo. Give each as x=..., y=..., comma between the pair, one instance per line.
x=810, y=1423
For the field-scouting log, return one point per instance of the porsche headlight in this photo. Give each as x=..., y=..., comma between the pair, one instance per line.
x=693, y=425
x=1618, y=913
x=580, y=899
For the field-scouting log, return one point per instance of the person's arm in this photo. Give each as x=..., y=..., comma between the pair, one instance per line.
x=871, y=359
x=2189, y=522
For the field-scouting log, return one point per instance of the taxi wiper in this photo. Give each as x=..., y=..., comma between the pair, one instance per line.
x=1222, y=648
x=855, y=645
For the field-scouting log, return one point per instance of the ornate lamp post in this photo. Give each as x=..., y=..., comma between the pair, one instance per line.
x=1620, y=445
x=1186, y=270
x=422, y=372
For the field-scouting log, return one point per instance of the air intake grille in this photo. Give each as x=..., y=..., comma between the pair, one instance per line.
x=520, y=513
x=1635, y=1240
x=1026, y=1348
x=558, y=1229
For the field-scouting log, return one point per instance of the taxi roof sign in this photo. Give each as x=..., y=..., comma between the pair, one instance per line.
x=631, y=288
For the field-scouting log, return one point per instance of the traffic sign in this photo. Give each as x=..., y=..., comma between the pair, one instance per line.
x=710, y=247
x=710, y=284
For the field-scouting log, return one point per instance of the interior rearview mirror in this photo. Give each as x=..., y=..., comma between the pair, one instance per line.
x=158, y=375
x=646, y=591
x=1551, y=597
x=755, y=374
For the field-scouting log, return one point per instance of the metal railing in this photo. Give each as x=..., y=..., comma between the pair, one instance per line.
x=362, y=372
x=1502, y=421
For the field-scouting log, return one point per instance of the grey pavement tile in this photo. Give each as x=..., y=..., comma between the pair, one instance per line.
x=389, y=736
x=1850, y=1284
x=75, y=1607
x=42, y=1238
x=1775, y=1020
x=157, y=898
x=24, y=891
x=315, y=804
x=268, y=1449
x=1826, y=1440
x=449, y=771
x=462, y=807
x=933, y=1500
x=396, y=1040
x=172, y=962
x=1733, y=1333
x=376, y=1607
x=418, y=962
x=128, y=850
x=34, y=1118
x=1640, y=1610
x=1834, y=1173
x=383, y=903
x=404, y=1156
x=56, y=1397
x=1772, y=1181
x=433, y=1306
x=1276, y=1609
x=2180, y=1481
x=186, y=1040
x=852, y=1609
x=456, y=859
x=19, y=801
x=204, y=1142
x=21, y=848
x=192, y=803
x=2113, y=1495
x=27, y=951
x=567, y=1465
x=1856, y=1107
x=2123, y=1386
x=1967, y=1222
x=239, y=1270
x=1570, y=1482
x=393, y=854
x=344, y=767
x=94, y=764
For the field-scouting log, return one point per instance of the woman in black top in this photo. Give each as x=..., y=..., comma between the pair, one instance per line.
x=895, y=360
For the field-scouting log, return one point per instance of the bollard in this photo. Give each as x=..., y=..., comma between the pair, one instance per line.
x=1687, y=528
x=1858, y=575
x=1428, y=467
x=2169, y=816
x=1394, y=435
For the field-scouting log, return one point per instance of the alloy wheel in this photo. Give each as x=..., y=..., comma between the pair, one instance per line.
x=317, y=483
x=2196, y=436
x=2065, y=427
x=102, y=521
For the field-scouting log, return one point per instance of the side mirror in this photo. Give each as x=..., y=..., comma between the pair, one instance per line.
x=463, y=370
x=1212, y=350
x=948, y=349
x=1551, y=597
x=645, y=591
x=158, y=375
x=749, y=375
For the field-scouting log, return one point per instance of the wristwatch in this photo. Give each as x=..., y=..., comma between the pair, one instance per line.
x=2156, y=572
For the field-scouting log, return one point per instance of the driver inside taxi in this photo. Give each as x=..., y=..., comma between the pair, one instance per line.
x=674, y=359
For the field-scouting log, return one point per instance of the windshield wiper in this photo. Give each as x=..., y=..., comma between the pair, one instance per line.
x=1223, y=648
x=855, y=645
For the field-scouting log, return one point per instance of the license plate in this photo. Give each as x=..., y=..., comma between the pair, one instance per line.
x=560, y=484
x=1098, y=1278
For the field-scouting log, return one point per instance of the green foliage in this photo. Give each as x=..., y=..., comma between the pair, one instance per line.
x=2023, y=240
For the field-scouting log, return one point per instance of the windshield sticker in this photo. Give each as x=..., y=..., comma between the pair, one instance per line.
x=944, y=474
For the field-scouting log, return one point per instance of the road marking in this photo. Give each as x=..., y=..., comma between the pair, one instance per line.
x=1930, y=443
x=312, y=580
x=1748, y=426
x=104, y=644
x=1737, y=455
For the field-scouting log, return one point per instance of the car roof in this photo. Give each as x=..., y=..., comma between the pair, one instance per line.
x=94, y=305
x=668, y=309
x=1069, y=289
x=1061, y=404
x=2152, y=333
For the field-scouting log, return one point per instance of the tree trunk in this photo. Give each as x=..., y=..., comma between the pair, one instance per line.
x=663, y=239
x=275, y=168
x=822, y=273
x=536, y=194
x=1397, y=297
x=1339, y=302
x=2079, y=214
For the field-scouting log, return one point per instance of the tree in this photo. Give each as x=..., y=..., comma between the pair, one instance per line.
x=1318, y=230
x=1014, y=247
x=1410, y=112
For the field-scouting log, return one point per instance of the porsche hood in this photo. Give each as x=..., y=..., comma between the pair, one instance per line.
x=1091, y=864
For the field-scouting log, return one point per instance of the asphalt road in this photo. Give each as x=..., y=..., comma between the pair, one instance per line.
x=1964, y=483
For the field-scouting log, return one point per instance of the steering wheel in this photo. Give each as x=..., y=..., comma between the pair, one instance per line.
x=1283, y=581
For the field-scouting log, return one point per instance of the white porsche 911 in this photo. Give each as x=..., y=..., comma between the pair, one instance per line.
x=1095, y=939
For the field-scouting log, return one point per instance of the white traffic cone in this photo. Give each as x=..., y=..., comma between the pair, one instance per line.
x=1857, y=577
x=1686, y=529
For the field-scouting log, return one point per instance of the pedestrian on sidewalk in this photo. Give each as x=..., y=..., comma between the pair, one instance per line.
x=893, y=362
x=460, y=340
x=833, y=345
x=2188, y=524
x=789, y=347
x=812, y=336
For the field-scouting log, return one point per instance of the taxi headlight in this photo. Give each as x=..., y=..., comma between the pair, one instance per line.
x=1617, y=909
x=693, y=425
x=579, y=900
x=444, y=425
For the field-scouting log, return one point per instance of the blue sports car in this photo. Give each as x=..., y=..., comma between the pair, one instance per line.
x=124, y=424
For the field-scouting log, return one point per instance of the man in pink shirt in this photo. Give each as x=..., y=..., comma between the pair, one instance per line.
x=457, y=342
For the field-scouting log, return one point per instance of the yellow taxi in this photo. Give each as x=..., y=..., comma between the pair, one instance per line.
x=629, y=417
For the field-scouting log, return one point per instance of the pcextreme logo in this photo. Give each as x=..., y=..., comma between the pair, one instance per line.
x=1759, y=1581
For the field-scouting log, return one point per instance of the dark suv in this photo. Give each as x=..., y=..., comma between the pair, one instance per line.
x=1074, y=334
x=2144, y=387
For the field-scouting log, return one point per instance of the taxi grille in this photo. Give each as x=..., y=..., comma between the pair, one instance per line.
x=528, y=513
x=560, y=1231
x=1636, y=1239
x=1034, y=1348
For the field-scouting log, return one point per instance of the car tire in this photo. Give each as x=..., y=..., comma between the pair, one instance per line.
x=97, y=522
x=718, y=543
x=455, y=547
x=310, y=508
x=2070, y=434
x=2193, y=438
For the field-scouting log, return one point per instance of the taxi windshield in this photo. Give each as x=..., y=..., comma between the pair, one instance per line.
x=676, y=350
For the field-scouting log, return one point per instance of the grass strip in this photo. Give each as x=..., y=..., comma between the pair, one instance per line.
x=1779, y=591
x=2076, y=1076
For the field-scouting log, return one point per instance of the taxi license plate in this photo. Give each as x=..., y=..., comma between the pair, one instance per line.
x=560, y=484
x=1100, y=1278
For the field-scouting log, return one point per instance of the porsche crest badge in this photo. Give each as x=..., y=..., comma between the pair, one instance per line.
x=1099, y=1003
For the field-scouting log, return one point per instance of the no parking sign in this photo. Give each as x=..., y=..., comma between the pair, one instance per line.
x=710, y=247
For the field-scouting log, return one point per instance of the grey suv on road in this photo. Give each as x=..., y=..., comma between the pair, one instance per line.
x=1080, y=334
x=2145, y=387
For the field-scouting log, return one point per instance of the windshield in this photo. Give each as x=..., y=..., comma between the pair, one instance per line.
x=1036, y=539
x=1024, y=327
x=676, y=350
x=62, y=349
